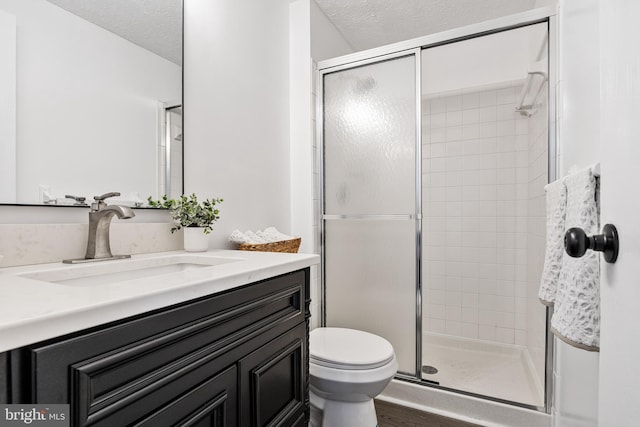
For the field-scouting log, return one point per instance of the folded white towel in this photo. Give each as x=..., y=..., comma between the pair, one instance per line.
x=268, y=235
x=576, y=317
x=556, y=209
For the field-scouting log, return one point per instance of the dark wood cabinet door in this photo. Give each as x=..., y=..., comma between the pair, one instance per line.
x=273, y=382
x=212, y=404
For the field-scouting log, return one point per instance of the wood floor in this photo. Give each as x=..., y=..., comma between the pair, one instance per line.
x=391, y=415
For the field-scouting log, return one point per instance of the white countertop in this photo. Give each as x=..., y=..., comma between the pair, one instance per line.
x=34, y=310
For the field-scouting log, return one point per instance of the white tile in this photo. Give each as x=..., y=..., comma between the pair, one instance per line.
x=487, y=208
x=437, y=179
x=506, y=176
x=470, y=330
x=454, y=178
x=470, y=116
x=438, y=105
x=471, y=100
x=487, y=287
x=454, y=163
x=453, y=327
x=437, y=311
x=506, y=160
x=470, y=299
x=506, y=192
x=470, y=285
x=505, y=128
x=454, y=283
x=488, y=130
x=454, y=103
x=487, y=98
x=487, y=333
x=505, y=320
x=453, y=312
x=437, y=150
x=470, y=193
x=506, y=112
x=470, y=315
x=506, y=96
x=437, y=165
x=505, y=335
x=487, y=271
x=454, y=133
x=454, y=118
x=453, y=209
x=438, y=297
x=453, y=253
x=487, y=224
x=522, y=127
x=455, y=148
x=438, y=135
x=438, y=194
x=438, y=268
x=454, y=238
x=438, y=120
x=487, y=114
x=453, y=223
x=438, y=326
x=470, y=131
x=437, y=209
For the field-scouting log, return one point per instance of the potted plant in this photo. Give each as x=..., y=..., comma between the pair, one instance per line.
x=194, y=216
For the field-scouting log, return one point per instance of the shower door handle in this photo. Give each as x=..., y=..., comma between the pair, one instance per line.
x=576, y=242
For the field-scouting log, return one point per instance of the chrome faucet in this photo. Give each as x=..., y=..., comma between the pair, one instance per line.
x=100, y=216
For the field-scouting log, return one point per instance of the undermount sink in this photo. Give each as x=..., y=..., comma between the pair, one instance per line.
x=119, y=271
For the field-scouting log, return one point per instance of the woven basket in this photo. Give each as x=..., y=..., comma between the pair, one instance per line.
x=290, y=246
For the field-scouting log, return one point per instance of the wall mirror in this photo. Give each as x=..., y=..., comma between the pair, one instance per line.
x=94, y=90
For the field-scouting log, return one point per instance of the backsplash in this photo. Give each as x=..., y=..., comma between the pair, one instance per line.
x=23, y=244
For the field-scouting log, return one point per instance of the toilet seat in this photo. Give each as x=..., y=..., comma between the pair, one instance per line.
x=348, y=349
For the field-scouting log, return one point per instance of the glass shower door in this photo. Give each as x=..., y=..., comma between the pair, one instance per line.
x=371, y=213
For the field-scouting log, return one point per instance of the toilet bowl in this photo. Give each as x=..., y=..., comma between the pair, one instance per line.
x=347, y=369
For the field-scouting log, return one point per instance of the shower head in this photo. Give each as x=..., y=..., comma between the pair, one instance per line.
x=364, y=85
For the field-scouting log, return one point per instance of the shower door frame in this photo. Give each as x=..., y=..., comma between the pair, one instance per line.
x=415, y=47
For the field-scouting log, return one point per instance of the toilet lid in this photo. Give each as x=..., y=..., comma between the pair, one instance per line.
x=348, y=349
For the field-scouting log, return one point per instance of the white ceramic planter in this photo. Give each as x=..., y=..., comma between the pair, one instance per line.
x=195, y=240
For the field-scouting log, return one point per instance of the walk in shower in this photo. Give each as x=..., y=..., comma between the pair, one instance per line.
x=434, y=161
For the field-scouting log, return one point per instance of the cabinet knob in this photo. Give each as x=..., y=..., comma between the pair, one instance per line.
x=576, y=242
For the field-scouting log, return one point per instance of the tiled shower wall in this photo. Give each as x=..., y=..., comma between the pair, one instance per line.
x=475, y=204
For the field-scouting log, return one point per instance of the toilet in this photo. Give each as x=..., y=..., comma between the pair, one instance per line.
x=347, y=369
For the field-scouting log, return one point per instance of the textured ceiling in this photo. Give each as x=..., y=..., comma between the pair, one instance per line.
x=371, y=23
x=156, y=25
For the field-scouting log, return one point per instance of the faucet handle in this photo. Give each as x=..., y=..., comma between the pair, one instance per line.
x=78, y=199
x=99, y=200
x=105, y=196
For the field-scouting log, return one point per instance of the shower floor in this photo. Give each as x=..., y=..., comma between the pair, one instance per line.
x=482, y=367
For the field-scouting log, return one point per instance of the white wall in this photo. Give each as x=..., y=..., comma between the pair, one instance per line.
x=87, y=103
x=578, y=116
x=326, y=41
x=236, y=111
x=300, y=98
x=8, y=106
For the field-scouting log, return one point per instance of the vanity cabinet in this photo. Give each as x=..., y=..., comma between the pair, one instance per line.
x=235, y=358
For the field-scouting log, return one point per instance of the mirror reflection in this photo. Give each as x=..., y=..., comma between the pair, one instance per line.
x=94, y=94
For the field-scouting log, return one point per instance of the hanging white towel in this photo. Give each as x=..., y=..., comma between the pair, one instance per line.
x=576, y=317
x=556, y=210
